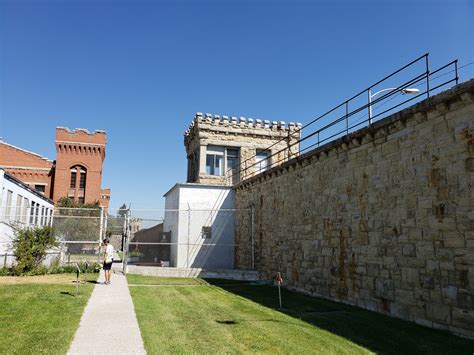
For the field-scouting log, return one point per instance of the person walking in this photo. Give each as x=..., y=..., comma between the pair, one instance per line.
x=108, y=260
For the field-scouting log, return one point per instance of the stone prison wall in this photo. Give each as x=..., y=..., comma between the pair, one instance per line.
x=382, y=219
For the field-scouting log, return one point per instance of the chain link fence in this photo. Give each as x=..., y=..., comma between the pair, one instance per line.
x=184, y=238
x=166, y=238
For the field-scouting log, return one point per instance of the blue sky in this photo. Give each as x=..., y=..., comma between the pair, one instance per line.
x=141, y=69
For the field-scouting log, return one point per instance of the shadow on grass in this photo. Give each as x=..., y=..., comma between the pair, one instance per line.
x=67, y=293
x=228, y=322
x=373, y=331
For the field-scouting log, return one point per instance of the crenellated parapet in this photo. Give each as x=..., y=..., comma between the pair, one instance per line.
x=233, y=125
x=81, y=141
x=81, y=136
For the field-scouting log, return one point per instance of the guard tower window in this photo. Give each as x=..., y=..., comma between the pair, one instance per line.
x=222, y=161
x=262, y=158
x=215, y=160
x=232, y=165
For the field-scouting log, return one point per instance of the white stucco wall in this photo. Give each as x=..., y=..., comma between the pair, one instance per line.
x=12, y=215
x=210, y=206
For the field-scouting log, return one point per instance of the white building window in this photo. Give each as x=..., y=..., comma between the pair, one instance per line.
x=8, y=206
x=32, y=212
x=24, y=211
x=262, y=160
x=18, y=210
x=43, y=219
x=37, y=212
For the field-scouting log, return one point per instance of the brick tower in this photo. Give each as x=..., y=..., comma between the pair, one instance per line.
x=78, y=172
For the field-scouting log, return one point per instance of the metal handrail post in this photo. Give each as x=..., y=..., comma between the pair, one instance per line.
x=427, y=76
x=369, y=106
x=347, y=117
x=456, y=71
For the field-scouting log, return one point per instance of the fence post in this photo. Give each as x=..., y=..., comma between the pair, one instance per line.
x=101, y=231
x=106, y=220
x=252, y=232
x=189, y=232
x=101, y=226
x=126, y=246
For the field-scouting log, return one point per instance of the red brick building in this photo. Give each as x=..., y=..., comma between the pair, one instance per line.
x=76, y=173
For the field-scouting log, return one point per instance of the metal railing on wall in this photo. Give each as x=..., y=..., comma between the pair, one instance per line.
x=419, y=76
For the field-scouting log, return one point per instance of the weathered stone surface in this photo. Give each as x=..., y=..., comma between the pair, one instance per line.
x=463, y=318
x=382, y=219
x=439, y=313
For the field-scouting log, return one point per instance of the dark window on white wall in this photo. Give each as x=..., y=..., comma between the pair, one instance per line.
x=206, y=232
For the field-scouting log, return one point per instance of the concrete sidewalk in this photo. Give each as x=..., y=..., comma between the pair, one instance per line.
x=109, y=324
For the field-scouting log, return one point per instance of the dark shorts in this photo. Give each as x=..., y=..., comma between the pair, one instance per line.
x=107, y=266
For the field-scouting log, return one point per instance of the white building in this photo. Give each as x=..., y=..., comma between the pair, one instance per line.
x=201, y=221
x=20, y=206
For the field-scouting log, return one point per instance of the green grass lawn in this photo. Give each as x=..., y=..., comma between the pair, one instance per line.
x=40, y=314
x=214, y=316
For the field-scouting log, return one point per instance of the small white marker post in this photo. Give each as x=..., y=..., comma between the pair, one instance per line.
x=78, y=270
x=86, y=263
x=279, y=280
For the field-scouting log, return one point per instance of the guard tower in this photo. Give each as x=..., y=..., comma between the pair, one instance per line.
x=225, y=151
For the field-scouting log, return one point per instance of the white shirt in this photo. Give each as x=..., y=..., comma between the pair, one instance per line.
x=109, y=252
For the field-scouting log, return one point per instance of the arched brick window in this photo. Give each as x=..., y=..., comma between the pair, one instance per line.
x=77, y=183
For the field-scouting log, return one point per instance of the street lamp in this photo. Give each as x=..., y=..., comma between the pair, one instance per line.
x=409, y=91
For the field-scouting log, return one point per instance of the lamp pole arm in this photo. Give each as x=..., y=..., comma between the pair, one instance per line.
x=378, y=92
x=370, y=96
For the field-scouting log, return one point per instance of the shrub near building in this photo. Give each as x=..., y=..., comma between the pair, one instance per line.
x=30, y=246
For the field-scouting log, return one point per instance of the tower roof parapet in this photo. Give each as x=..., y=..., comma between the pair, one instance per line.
x=80, y=136
x=211, y=121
